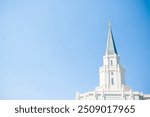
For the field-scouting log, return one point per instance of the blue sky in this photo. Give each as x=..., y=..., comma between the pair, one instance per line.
x=50, y=49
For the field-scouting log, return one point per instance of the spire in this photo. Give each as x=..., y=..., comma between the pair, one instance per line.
x=111, y=48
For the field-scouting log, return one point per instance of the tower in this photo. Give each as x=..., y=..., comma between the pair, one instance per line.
x=112, y=78
x=112, y=72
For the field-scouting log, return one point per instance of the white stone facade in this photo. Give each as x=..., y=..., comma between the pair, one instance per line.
x=112, y=79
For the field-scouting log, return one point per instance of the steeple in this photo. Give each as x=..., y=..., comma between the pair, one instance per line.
x=111, y=48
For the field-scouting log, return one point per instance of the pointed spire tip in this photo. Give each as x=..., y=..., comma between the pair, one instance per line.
x=109, y=24
x=111, y=48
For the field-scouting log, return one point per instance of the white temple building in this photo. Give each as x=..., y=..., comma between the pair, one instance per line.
x=112, y=78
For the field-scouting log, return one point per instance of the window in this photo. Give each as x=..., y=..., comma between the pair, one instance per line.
x=112, y=81
x=112, y=73
x=111, y=62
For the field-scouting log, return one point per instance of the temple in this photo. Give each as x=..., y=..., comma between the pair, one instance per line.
x=112, y=84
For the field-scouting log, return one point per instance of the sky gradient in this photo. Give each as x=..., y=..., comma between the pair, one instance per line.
x=50, y=49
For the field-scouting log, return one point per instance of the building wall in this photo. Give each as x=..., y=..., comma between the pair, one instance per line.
x=112, y=96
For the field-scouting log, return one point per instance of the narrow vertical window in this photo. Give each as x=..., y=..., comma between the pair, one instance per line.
x=111, y=62
x=112, y=81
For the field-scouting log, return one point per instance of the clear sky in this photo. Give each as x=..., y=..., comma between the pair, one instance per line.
x=50, y=49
